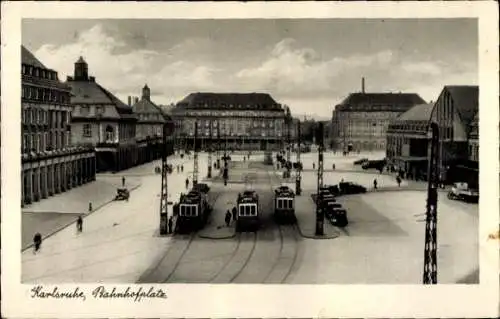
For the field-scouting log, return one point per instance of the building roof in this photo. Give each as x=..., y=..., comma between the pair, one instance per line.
x=420, y=112
x=90, y=92
x=465, y=100
x=28, y=58
x=147, y=106
x=226, y=100
x=366, y=102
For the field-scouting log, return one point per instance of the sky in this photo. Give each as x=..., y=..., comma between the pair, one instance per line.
x=311, y=65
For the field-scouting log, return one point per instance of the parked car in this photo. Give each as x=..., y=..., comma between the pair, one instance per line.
x=360, y=161
x=202, y=187
x=339, y=217
x=379, y=164
x=461, y=191
x=349, y=188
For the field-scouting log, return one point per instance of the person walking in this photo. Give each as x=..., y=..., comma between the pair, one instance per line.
x=178, y=168
x=37, y=242
x=314, y=165
x=398, y=180
x=170, y=224
x=375, y=183
x=182, y=168
x=234, y=213
x=79, y=224
x=227, y=219
x=123, y=181
x=90, y=207
x=187, y=183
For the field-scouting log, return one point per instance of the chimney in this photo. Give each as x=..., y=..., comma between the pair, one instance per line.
x=362, y=85
x=129, y=100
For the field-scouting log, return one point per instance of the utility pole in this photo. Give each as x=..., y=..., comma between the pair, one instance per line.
x=225, y=175
x=298, y=189
x=195, y=156
x=320, y=216
x=164, y=181
x=209, y=172
x=288, y=142
x=218, y=145
x=430, y=248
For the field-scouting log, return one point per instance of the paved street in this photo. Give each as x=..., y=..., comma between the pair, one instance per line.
x=382, y=244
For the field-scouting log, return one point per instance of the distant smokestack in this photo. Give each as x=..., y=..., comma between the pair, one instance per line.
x=129, y=100
x=362, y=85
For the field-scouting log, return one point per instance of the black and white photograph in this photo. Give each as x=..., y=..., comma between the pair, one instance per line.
x=273, y=151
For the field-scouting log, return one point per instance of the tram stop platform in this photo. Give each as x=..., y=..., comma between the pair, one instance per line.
x=216, y=227
x=305, y=211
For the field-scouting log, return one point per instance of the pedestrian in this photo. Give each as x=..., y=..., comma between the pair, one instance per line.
x=170, y=224
x=182, y=168
x=79, y=224
x=375, y=183
x=123, y=181
x=314, y=165
x=90, y=207
x=398, y=180
x=187, y=183
x=37, y=241
x=234, y=213
x=228, y=218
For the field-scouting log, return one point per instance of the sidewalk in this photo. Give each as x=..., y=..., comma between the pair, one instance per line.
x=216, y=227
x=117, y=245
x=50, y=215
x=305, y=211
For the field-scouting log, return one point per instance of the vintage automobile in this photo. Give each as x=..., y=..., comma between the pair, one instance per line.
x=202, y=187
x=122, y=194
x=338, y=217
x=360, y=161
x=461, y=191
x=378, y=164
x=349, y=188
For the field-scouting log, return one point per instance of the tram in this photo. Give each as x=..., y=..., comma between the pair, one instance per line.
x=284, y=205
x=248, y=214
x=193, y=212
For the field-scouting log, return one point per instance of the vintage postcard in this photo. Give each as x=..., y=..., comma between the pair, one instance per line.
x=227, y=160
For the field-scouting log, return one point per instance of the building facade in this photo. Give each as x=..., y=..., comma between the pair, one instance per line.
x=253, y=121
x=360, y=122
x=101, y=120
x=149, y=128
x=51, y=163
x=456, y=112
x=407, y=141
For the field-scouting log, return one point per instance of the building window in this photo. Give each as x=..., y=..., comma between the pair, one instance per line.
x=84, y=110
x=99, y=110
x=87, y=130
x=110, y=134
x=25, y=143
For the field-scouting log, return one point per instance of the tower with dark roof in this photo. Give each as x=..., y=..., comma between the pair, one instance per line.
x=81, y=70
x=146, y=93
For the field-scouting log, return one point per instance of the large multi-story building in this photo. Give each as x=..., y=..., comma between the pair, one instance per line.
x=407, y=141
x=253, y=121
x=361, y=120
x=456, y=112
x=50, y=162
x=149, y=128
x=100, y=119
